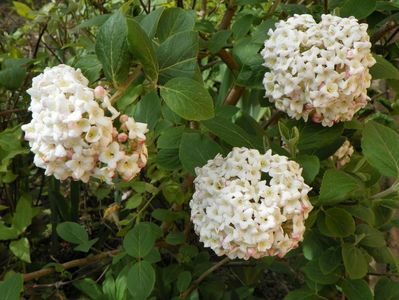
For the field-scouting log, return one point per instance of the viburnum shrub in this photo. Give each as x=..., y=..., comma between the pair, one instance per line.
x=236, y=149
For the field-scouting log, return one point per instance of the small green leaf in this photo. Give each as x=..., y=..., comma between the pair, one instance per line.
x=218, y=40
x=314, y=273
x=383, y=69
x=330, y=260
x=23, y=10
x=352, y=8
x=355, y=261
x=150, y=22
x=232, y=134
x=356, y=289
x=90, y=67
x=380, y=146
x=170, y=138
x=21, y=249
x=148, y=110
x=111, y=48
x=11, y=287
x=89, y=287
x=302, y=294
x=343, y=183
x=196, y=149
x=188, y=98
x=85, y=246
x=314, y=136
x=310, y=165
x=141, y=280
x=175, y=238
x=174, y=20
x=339, y=222
x=373, y=237
x=141, y=47
x=134, y=201
x=183, y=281
x=386, y=289
x=168, y=159
x=178, y=61
x=139, y=241
x=72, y=232
x=23, y=213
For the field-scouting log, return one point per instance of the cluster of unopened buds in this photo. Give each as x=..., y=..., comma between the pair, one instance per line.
x=75, y=131
x=250, y=204
x=343, y=155
x=318, y=70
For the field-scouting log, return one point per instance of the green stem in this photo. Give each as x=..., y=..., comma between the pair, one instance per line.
x=75, y=200
x=54, y=189
x=393, y=188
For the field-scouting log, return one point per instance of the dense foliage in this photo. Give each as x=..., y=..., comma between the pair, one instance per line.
x=193, y=72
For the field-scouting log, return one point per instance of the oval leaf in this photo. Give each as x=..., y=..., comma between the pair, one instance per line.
x=141, y=280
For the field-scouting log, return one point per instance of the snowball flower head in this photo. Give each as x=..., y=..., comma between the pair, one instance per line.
x=250, y=204
x=318, y=70
x=72, y=131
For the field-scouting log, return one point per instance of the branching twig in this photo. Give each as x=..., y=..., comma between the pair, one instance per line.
x=70, y=264
x=228, y=16
x=196, y=283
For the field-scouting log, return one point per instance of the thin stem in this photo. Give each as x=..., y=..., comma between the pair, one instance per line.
x=197, y=282
x=75, y=200
x=325, y=2
x=393, y=188
x=54, y=189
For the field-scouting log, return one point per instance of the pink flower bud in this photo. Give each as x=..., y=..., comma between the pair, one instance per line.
x=69, y=154
x=317, y=118
x=122, y=137
x=123, y=118
x=99, y=92
x=114, y=132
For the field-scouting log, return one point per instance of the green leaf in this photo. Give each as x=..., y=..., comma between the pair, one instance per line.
x=89, y=287
x=141, y=47
x=7, y=233
x=313, y=272
x=386, y=289
x=314, y=136
x=72, y=232
x=139, y=241
x=175, y=238
x=148, y=110
x=92, y=22
x=177, y=56
x=380, y=146
x=12, y=75
x=168, y=159
x=11, y=287
x=174, y=20
x=218, y=40
x=134, y=201
x=150, y=22
x=188, y=98
x=170, y=138
x=232, y=134
x=183, y=281
x=111, y=48
x=330, y=260
x=196, y=149
x=141, y=280
x=339, y=222
x=85, y=246
x=23, y=214
x=343, y=183
x=21, y=249
x=173, y=193
x=90, y=67
x=356, y=289
x=372, y=238
x=362, y=212
x=241, y=26
x=352, y=8
x=310, y=165
x=355, y=261
x=23, y=10
x=302, y=294
x=383, y=69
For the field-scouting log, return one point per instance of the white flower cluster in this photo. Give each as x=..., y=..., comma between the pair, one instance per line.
x=343, y=155
x=318, y=70
x=71, y=134
x=250, y=204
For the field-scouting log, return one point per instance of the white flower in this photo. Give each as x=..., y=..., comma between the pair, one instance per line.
x=73, y=136
x=318, y=70
x=239, y=214
x=136, y=129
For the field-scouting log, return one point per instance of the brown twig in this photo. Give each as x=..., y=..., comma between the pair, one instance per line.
x=11, y=111
x=382, y=32
x=234, y=95
x=70, y=264
x=197, y=282
x=39, y=39
x=179, y=3
x=229, y=60
x=228, y=16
